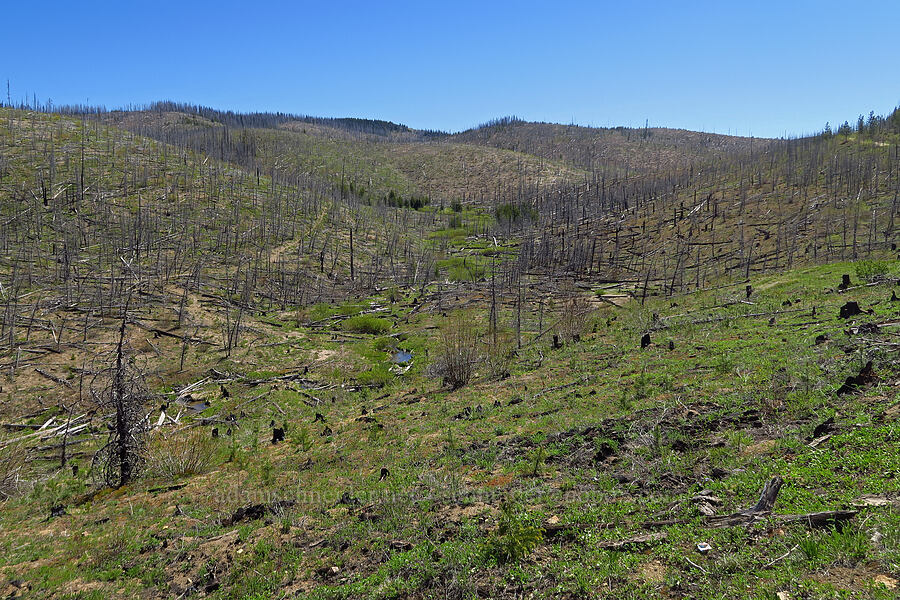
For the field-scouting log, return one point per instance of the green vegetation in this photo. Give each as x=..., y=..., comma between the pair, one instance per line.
x=367, y=324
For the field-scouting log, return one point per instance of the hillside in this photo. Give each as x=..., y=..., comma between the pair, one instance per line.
x=616, y=150
x=563, y=384
x=405, y=162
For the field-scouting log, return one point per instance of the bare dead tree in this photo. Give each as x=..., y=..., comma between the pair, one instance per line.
x=124, y=393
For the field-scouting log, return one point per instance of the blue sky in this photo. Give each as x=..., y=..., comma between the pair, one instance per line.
x=753, y=67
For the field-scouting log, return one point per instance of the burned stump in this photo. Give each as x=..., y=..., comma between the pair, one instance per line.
x=850, y=309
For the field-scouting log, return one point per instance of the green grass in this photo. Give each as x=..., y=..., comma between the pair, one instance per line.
x=367, y=324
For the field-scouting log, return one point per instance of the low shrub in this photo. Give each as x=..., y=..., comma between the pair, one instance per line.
x=367, y=324
x=458, y=352
x=180, y=454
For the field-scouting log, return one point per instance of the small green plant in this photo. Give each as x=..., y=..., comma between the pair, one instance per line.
x=723, y=365
x=537, y=459
x=302, y=439
x=849, y=546
x=516, y=536
x=385, y=344
x=378, y=376
x=265, y=473
x=811, y=548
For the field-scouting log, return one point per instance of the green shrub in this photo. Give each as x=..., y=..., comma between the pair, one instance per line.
x=366, y=324
x=871, y=270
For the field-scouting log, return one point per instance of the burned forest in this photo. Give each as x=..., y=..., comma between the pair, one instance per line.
x=266, y=355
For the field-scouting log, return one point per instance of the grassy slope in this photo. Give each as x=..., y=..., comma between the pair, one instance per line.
x=601, y=438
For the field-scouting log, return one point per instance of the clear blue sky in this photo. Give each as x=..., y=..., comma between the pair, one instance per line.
x=746, y=67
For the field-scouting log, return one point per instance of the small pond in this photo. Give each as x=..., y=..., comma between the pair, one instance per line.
x=401, y=357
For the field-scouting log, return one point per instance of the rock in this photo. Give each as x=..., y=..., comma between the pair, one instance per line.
x=329, y=571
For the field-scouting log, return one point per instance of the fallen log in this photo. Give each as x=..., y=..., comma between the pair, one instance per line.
x=634, y=541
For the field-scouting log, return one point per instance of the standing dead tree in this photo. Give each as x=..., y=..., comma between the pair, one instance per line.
x=124, y=393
